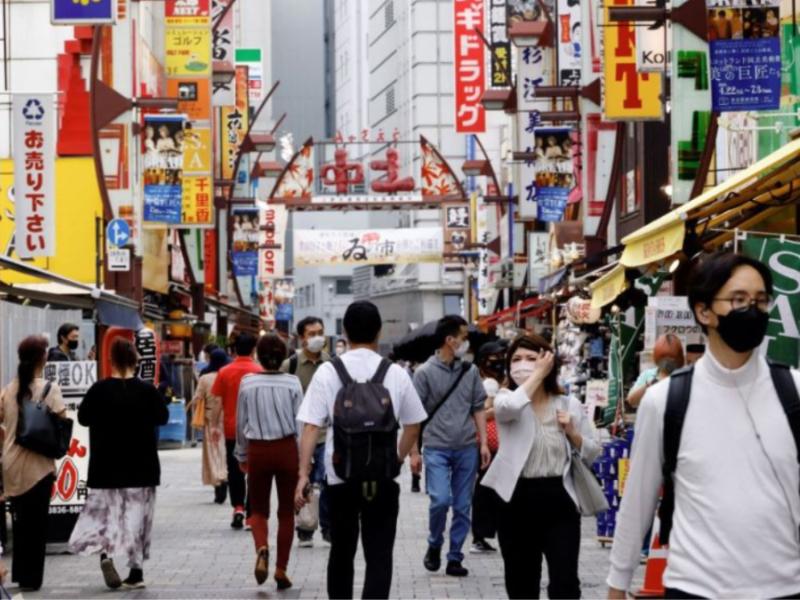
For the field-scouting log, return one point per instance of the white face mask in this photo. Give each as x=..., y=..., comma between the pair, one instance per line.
x=340, y=351
x=521, y=371
x=316, y=344
x=462, y=349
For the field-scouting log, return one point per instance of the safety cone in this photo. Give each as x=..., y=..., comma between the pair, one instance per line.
x=656, y=565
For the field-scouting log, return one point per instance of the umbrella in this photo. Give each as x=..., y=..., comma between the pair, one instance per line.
x=420, y=344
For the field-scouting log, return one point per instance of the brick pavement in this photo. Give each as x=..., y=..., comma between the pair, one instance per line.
x=195, y=554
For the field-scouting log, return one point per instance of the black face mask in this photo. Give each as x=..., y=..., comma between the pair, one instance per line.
x=496, y=368
x=743, y=330
x=72, y=344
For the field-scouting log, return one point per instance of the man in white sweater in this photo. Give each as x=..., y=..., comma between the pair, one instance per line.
x=737, y=499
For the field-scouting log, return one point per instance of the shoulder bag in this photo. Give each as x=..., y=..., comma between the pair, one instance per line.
x=41, y=430
x=590, y=496
x=465, y=367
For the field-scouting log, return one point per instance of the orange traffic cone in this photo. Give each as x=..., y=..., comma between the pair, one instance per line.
x=656, y=565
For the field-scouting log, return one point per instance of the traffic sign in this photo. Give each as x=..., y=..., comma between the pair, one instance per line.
x=119, y=259
x=118, y=233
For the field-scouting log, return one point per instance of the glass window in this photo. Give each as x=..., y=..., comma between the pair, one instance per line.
x=339, y=327
x=344, y=287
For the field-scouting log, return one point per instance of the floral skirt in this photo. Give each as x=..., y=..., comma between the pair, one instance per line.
x=116, y=522
x=215, y=466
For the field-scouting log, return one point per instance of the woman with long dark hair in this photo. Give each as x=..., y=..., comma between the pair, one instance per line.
x=539, y=429
x=215, y=467
x=122, y=413
x=28, y=476
x=266, y=448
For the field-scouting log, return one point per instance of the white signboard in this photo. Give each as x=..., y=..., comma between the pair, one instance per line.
x=597, y=393
x=314, y=247
x=272, y=261
x=385, y=199
x=119, y=259
x=670, y=314
x=34, y=175
x=653, y=46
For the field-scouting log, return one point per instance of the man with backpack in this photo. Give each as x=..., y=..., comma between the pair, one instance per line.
x=722, y=436
x=362, y=399
x=454, y=397
x=304, y=364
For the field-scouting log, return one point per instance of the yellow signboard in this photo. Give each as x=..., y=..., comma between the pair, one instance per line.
x=629, y=95
x=78, y=203
x=623, y=468
x=197, y=151
x=188, y=51
x=659, y=245
x=197, y=202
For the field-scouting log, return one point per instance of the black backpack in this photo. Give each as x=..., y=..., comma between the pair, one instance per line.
x=680, y=388
x=364, y=428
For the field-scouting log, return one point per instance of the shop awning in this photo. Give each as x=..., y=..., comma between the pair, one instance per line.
x=742, y=201
x=524, y=310
x=606, y=289
x=551, y=280
x=115, y=315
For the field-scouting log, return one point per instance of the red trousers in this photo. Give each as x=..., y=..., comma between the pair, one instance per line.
x=268, y=460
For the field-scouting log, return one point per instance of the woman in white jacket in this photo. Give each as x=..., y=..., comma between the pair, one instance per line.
x=538, y=427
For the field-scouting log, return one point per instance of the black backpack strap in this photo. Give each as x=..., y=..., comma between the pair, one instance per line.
x=47, y=387
x=383, y=369
x=680, y=391
x=293, y=362
x=787, y=393
x=342, y=371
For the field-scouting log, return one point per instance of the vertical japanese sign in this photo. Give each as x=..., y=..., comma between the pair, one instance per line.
x=245, y=242
x=483, y=237
x=274, y=218
x=783, y=259
x=210, y=260
x=470, y=66
x=569, y=42
x=197, y=169
x=554, y=171
x=34, y=175
x=252, y=59
x=222, y=50
x=745, y=42
x=164, y=145
x=457, y=230
x=501, y=46
x=629, y=95
x=234, y=124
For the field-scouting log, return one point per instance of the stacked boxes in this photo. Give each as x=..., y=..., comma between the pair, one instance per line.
x=608, y=469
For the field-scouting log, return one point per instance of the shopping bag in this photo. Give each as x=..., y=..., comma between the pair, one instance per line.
x=308, y=517
x=199, y=414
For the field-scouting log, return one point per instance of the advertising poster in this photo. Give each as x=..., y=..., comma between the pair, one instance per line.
x=745, y=46
x=188, y=51
x=188, y=12
x=457, y=222
x=73, y=12
x=554, y=171
x=629, y=95
x=470, y=65
x=245, y=242
x=194, y=96
x=501, y=46
x=284, y=299
x=569, y=42
x=272, y=260
x=538, y=257
x=319, y=247
x=519, y=11
x=34, y=175
x=164, y=145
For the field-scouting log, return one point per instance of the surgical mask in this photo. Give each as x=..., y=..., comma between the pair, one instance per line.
x=340, y=351
x=72, y=344
x=743, y=330
x=316, y=344
x=667, y=365
x=462, y=349
x=521, y=371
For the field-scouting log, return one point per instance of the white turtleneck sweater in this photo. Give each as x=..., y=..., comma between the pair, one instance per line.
x=735, y=525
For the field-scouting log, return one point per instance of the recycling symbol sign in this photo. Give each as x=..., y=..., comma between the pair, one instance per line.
x=33, y=110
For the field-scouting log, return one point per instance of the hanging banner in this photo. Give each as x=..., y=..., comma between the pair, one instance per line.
x=188, y=51
x=210, y=260
x=483, y=237
x=315, y=247
x=554, y=171
x=72, y=12
x=783, y=259
x=569, y=42
x=234, y=124
x=196, y=203
x=654, y=46
x=274, y=220
x=194, y=97
x=284, y=299
x=34, y=175
x=266, y=302
x=629, y=95
x=470, y=66
x=188, y=12
x=222, y=50
x=245, y=242
x=164, y=143
x=501, y=46
x=745, y=48
x=538, y=257
x=457, y=224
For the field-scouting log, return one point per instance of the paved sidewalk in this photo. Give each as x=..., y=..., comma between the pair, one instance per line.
x=197, y=555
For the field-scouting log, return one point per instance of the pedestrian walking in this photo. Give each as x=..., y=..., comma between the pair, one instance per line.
x=266, y=448
x=491, y=367
x=363, y=489
x=538, y=429
x=669, y=356
x=27, y=475
x=215, y=468
x=204, y=359
x=725, y=436
x=304, y=364
x=454, y=397
x=226, y=386
x=123, y=414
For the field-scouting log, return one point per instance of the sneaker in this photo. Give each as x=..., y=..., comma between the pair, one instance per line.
x=221, y=493
x=262, y=565
x=247, y=524
x=433, y=559
x=326, y=536
x=481, y=547
x=110, y=574
x=306, y=541
x=135, y=580
x=456, y=569
x=238, y=518
x=283, y=581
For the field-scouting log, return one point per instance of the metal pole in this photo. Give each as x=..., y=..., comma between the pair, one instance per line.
x=98, y=236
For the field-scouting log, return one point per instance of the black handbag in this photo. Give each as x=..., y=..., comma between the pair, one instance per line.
x=41, y=430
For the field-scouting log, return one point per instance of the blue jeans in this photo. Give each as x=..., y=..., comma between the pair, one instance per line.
x=318, y=476
x=450, y=479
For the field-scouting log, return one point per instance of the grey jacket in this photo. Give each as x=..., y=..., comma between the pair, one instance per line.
x=452, y=428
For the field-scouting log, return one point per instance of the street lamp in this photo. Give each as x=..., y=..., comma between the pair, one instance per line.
x=258, y=142
x=223, y=73
x=500, y=99
x=530, y=34
x=270, y=169
x=476, y=168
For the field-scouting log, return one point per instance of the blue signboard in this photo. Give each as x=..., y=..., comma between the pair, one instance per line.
x=85, y=12
x=551, y=204
x=118, y=233
x=164, y=138
x=555, y=176
x=745, y=56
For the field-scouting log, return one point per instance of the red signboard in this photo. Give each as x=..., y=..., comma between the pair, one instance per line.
x=188, y=12
x=210, y=261
x=470, y=65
